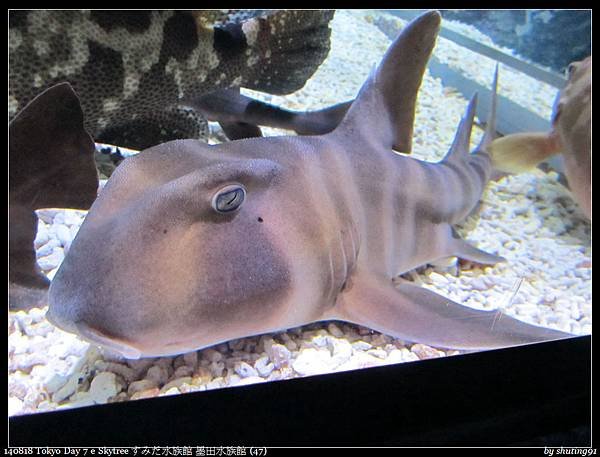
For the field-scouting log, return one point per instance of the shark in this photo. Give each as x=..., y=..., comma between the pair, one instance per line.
x=190, y=245
x=51, y=158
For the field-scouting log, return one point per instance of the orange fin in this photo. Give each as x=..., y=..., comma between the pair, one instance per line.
x=521, y=152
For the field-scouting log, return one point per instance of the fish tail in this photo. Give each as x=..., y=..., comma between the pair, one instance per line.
x=521, y=152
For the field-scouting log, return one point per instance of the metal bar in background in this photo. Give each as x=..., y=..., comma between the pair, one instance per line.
x=554, y=79
x=510, y=116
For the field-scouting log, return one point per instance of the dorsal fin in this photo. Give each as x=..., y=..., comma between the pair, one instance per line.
x=460, y=145
x=51, y=155
x=51, y=164
x=385, y=105
x=490, y=128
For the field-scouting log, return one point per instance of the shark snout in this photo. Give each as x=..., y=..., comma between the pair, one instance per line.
x=97, y=337
x=83, y=314
x=92, y=335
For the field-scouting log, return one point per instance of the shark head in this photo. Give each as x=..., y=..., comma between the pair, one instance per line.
x=183, y=247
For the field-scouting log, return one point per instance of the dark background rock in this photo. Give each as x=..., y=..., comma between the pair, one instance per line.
x=552, y=38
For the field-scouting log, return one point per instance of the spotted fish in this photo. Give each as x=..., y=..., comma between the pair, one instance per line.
x=146, y=77
x=265, y=234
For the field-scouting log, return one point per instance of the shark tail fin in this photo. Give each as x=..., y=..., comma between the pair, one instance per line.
x=385, y=105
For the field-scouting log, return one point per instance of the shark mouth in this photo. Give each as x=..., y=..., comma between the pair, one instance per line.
x=96, y=337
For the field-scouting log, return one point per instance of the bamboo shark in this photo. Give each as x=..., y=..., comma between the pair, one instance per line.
x=190, y=245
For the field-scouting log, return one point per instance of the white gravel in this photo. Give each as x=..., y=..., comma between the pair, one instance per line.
x=530, y=219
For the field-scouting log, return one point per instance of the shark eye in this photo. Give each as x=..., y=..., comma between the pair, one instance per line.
x=229, y=198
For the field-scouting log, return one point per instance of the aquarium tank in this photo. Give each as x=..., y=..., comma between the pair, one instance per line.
x=208, y=199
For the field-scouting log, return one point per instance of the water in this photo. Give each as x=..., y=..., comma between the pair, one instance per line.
x=530, y=219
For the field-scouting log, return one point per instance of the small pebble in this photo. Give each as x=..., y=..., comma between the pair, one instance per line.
x=183, y=371
x=312, y=361
x=319, y=341
x=215, y=384
x=217, y=368
x=425, y=352
x=341, y=350
x=245, y=370
x=236, y=345
x=379, y=353
x=63, y=234
x=479, y=284
x=361, y=345
x=140, y=386
x=212, y=355
x=66, y=390
x=335, y=330
x=191, y=359
x=263, y=366
x=42, y=236
x=178, y=362
x=47, y=248
x=233, y=380
x=250, y=380
x=171, y=391
x=360, y=360
x=150, y=393
x=176, y=383
x=14, y=406
x=395, y=356
x=280, y=355
x=52, y=260
x=47, y=215
x=291, y=345
x=157, y=374
x=438, y=279
x=103, y=386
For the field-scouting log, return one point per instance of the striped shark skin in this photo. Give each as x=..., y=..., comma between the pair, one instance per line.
x=265, y=234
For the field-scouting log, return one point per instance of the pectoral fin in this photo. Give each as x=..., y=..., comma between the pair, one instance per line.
x=463, y=250
x=416, y=314
x=455, y=246
x=240, y=115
